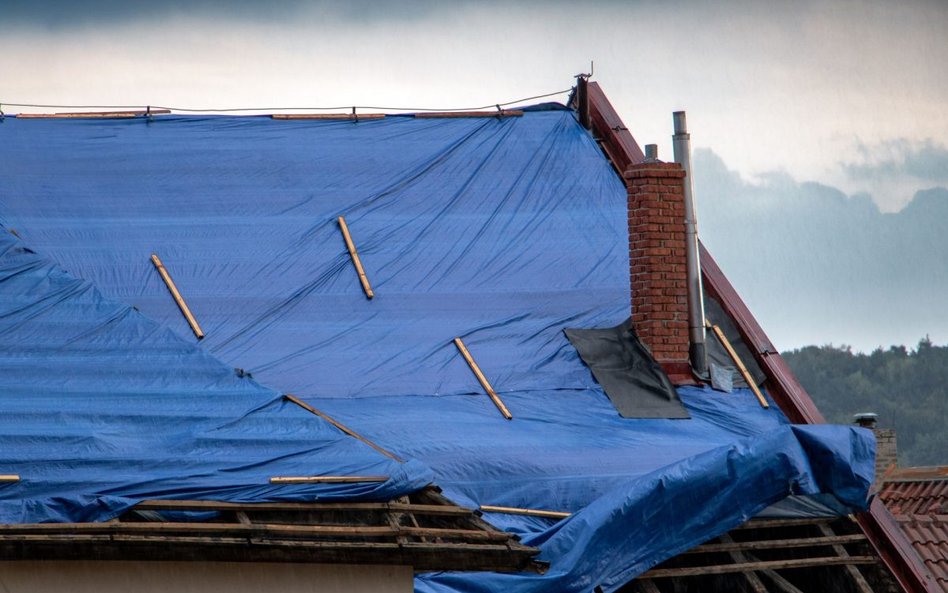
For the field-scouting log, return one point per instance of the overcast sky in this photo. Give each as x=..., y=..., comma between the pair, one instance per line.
x=852, y=95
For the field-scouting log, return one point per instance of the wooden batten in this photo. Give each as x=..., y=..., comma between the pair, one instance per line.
x=329, y=116
x=422, y=530
x=450, y=114
x=304, y=507
x=740, y=364
x=482, y=379
x=326, y=479
x=356, y=260
x=93, y=114
x=9, y=478
x=698, y=571
x=528, y=512
x=340, y=426
x=777, y=544
x=173, y=289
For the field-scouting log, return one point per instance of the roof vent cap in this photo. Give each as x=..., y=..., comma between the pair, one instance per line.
x=866, y=419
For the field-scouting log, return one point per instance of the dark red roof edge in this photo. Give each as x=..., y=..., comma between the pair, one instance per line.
x=886, y=536
x=877, y=523
x=615, y=139
x=783, y=386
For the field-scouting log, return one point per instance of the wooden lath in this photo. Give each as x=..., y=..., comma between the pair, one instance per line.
x=327, y=116
x=697, y=571
x=326, y=479
x=449, y=114
x=301, y=507
x=777, y=544
x=423, y=530
x=760, y=551
x=94, y=114
x=528, y=512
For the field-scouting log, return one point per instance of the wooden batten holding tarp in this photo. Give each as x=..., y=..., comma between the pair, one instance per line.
x=449, y=114
x=173, y=289
x=527, y=512
x=94, y=114
x=9, y=478
x=326, y=479
x=356, y=260
x=340, y=426
x=327, y=116
x=482, y=379
x=748, y=378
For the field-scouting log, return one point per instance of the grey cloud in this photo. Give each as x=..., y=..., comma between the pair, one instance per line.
x=60, y=14
x=926, y=160
x=819, y=266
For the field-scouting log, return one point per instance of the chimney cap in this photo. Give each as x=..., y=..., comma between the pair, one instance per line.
x=651, y=153
x=866, y=419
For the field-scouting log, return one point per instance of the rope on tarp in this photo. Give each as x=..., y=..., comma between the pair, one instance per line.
x=237, y=109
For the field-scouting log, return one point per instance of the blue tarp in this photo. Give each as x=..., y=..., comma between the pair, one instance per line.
x=501, y=231
x=102, y=408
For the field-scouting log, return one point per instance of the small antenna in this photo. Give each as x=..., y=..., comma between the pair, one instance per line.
x=592, y=70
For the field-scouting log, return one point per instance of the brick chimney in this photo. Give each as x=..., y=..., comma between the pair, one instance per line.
x=887, y=449
x=658, y=268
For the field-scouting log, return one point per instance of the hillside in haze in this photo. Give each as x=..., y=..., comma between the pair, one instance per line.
x=817, y=266
x=908, y=389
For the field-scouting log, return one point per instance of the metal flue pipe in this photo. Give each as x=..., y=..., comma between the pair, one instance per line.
x=696, y=330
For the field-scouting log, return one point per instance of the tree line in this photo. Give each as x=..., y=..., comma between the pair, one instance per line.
x=907, y=388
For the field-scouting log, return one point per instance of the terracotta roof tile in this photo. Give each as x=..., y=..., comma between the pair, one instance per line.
x=918, y=497
x=916, y=491
x=929, y=537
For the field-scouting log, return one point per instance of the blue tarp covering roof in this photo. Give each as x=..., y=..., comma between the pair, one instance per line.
x=103, y=407
x=501, y=231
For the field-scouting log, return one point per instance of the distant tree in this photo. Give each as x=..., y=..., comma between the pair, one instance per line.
x=907, y=388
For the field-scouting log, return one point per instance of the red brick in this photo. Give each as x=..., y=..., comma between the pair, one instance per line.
x=657, y=269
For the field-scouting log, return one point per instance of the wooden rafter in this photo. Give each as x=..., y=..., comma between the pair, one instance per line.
x=766, y=548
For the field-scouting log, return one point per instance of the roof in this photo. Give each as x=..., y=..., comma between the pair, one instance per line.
x=916, y=490
x=502, y=231
x=918, y=497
